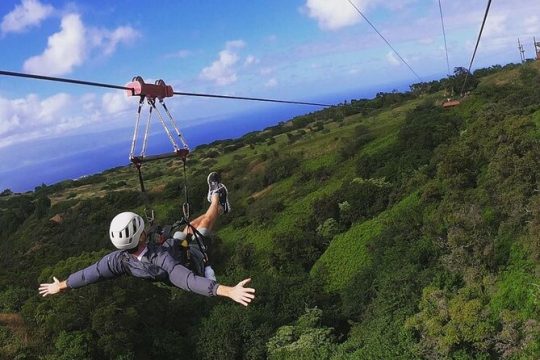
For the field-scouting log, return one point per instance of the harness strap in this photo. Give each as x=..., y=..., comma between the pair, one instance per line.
x=199, y=238
x=185, y=205
x=200, y=244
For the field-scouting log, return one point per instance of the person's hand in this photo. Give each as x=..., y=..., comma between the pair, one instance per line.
x=50, y=288
x=241, y=294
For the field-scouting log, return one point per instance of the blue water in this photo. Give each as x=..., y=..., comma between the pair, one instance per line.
x=72, y=157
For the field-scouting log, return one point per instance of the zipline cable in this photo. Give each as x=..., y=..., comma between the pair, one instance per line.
x=476, y=47
x=444, y=36
x=386, y=41
x=110, y=86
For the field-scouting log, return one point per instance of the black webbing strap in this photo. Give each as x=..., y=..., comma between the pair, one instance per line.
x=141, y=180
x=199, y=238
x=144, y=196
x=185, y=206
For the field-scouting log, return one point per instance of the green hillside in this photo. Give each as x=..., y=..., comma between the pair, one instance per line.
x=384, y=228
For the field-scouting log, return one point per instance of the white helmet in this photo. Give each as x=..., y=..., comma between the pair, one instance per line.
x=126, y=229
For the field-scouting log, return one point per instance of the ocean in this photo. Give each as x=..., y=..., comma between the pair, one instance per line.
x=27, y=165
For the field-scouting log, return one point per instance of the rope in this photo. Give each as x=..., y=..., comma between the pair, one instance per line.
x=146, y=132
x=110, y=86
x=386, y=41
x=250, y=98
x=135, y=132
x=171, y=139
x=199, y=238
x=476, y=47
x=444, y=36
x=185, y=206
x=173, y=123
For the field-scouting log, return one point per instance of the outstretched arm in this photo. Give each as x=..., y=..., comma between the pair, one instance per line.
x=238, y=293
x=109, y=267
x=53, y=288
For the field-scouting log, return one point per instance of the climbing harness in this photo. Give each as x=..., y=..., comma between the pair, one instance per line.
x=149, y=93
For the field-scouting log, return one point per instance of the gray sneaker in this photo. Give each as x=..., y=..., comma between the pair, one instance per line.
x=214, y=181
x=216, y=187
x=223, y=198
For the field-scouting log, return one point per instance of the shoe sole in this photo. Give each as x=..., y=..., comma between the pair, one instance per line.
x=227, y=208
x=209, y=196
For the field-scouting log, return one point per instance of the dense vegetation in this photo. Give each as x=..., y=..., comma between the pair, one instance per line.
x=385, y=228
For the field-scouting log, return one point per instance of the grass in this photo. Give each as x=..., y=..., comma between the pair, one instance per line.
x=348, y=253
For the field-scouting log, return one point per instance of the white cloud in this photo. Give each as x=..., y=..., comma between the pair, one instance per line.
x=29, y=13
x=73, y=44
x=496, y=24
x=333, y=15
x=397, y=5
x=52, y=107
x=65, y=49
x=392, y=59
x=33, y=117
x=235, y=44
x=426, y=41
x=266, y=71
x=222, y=71
x=180, y=54
x=336, y=14
x=30, y=113
x=532, y=24
x=250, y=59
x=116, y=102
x=271, y=83
x=108, y=40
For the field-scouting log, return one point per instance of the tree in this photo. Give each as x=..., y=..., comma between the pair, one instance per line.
x=6, y=192
x=457, y=80
x=73, y=345
x=43, y=203
x=305, y=340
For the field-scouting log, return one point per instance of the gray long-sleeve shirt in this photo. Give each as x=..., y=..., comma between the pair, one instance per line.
x=157, y=264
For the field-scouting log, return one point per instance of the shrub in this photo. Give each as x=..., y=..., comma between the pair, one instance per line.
x=280, y=168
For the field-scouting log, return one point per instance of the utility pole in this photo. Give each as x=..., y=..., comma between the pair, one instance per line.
x=521, y=51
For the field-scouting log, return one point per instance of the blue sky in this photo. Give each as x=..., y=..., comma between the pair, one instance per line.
x=295, y=50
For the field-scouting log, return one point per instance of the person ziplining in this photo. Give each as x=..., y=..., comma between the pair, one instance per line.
x=180, y=260
x=138, y=257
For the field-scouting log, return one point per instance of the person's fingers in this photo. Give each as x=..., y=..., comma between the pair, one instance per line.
x=251, y=290
x=244, y=282
x=249, y=296
x=55, y=279
x=246, y=300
